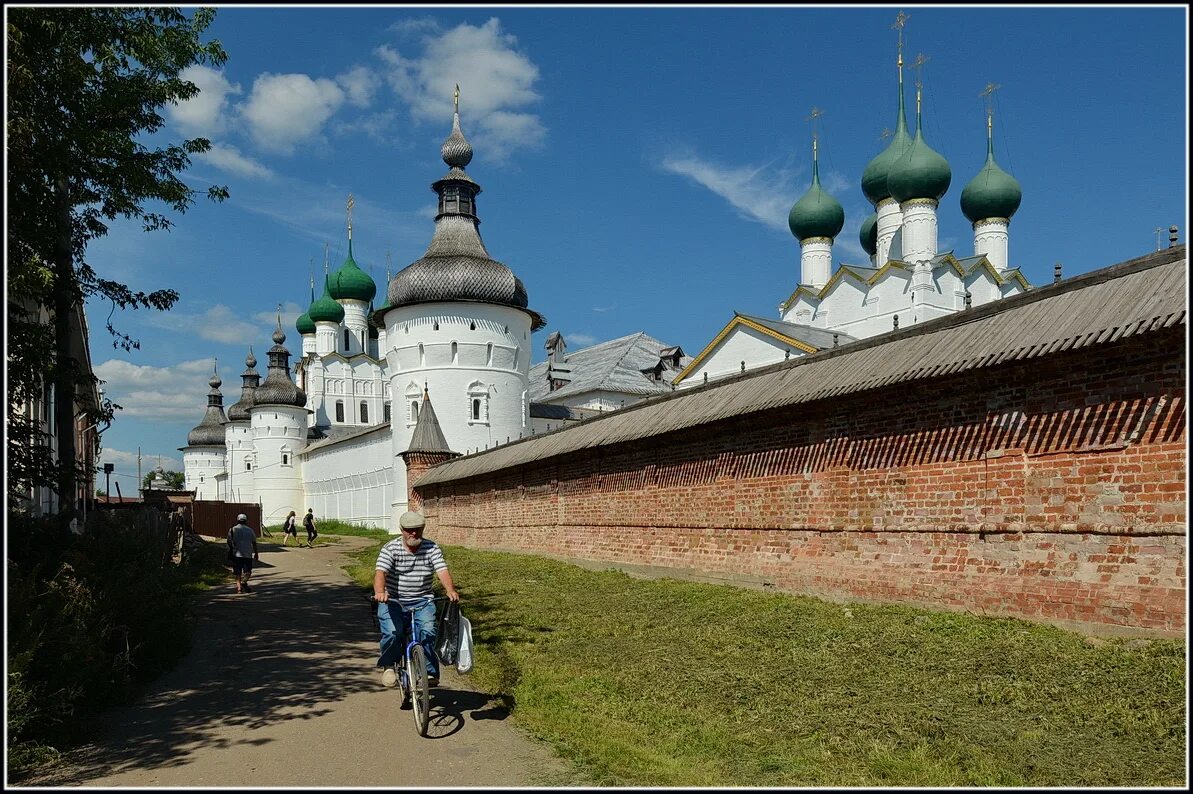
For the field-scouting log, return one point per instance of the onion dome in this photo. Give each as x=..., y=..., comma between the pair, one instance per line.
x=816, y=214
x=326, y=309
x=210, y=431
x=868, y=234
x=874, y=177
x=921, y=173
x=993, y=193
x=278, y=389
x=249, y=380
x=456, y=266
x=304, y=324
x=350, y=282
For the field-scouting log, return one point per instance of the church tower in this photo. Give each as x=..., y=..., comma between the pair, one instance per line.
x=815, y=220
x=457, y=322
x=239, y=437
x=278, y=424
x=203, y=455
x=989, y=201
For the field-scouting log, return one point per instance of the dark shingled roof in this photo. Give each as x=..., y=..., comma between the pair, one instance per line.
x=428, y=436
x=616, y=365
x=1132, y=298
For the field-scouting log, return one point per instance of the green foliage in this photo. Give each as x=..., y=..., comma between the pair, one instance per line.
x=84, y=88
x=668, y=683
x=89, y=617
x=172, y=479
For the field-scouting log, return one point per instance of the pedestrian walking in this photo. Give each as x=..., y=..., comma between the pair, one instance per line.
x=290, y=530
x=308, y=521
x=242, y=544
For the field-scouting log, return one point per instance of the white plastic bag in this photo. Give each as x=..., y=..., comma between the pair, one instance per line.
x=464, y=655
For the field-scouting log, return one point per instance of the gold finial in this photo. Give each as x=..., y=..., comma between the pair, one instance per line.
x=456, y=97
x=325, y=260
x=900, y=21
x=351, y=204
x=312, y=277
x=886, y=133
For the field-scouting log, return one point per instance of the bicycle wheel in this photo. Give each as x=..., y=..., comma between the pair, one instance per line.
x=419, y=691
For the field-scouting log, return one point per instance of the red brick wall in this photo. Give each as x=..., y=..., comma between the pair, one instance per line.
x=1052, y=490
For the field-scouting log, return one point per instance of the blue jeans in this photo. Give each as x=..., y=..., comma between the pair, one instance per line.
x=392, y=618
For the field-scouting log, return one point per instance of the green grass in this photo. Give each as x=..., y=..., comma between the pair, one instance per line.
x=668, y=683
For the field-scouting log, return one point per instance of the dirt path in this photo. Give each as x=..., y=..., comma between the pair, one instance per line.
x=280, y=690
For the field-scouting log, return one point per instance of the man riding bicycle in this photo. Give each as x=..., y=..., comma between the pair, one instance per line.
x=402, y=588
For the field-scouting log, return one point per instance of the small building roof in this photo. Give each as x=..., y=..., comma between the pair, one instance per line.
x=616, y=366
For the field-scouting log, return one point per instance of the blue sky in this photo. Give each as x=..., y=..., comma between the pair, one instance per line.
x=638, y=164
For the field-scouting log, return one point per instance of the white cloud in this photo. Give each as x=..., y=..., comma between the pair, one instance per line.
x=290, y=312
x=284, y=110
x=205, y=114
x=377, y=126
x=495, y=82
x=608, y=308
x=171, y=394
x=359, y=84
x=217, y=324
x=126, y=468
x=229, y=159
x=750, y=190
x=580, y=340
x=420, y=25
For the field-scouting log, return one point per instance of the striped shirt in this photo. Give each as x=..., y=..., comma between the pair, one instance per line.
x=408, y=574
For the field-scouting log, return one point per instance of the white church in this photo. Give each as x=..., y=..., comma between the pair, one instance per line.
x=907, y=279
x=444, y=365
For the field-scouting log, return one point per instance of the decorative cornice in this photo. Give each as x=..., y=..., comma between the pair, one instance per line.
x=809, y=240
x=736, y=321
x=919, y=202
x=982, y=221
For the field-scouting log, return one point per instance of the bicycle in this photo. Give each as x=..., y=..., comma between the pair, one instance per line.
x=411, y=668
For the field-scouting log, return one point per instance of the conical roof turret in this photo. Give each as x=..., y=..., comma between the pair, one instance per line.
x=992, y=193
x=428, y=435
x=816, y=214
x=210, y=431
x=249, y=379
x=456, y=265
x=278, y=388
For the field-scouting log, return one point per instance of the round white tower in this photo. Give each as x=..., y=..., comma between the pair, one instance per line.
x=238, y=437
x=203, y=455
x=458, y=326
x=278, y=426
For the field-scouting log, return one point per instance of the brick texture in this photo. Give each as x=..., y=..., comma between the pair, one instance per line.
x=1051, y=490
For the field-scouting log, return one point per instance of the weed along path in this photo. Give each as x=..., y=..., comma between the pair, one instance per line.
x=280, y=690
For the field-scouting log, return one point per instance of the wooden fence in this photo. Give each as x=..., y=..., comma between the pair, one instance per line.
x=213, y=519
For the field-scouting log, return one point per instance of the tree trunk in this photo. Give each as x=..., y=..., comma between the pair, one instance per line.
x=64, y=366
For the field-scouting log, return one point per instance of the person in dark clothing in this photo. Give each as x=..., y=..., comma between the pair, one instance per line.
x=308, y=521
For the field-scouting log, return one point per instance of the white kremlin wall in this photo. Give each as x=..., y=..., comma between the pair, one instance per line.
x=351, y=480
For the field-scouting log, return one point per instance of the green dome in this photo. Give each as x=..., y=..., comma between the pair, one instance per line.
x=868, y=235
x=304, y=324
x=350, y=282
x=920, y=173
x=817, y=214
x=325, y=309
x=875, y=176
x=993, y=193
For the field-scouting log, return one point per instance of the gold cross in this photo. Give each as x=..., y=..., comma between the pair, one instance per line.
x=988, y=92
x=920, y=60
x=900, y=21
x=816, y=113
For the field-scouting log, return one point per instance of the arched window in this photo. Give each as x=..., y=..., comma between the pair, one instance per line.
x=435, y=327
x=413, y=394
x=248, y=465
x=455, y=353
x=478, y=403
x=385, y=412
x=364, y=412
x=489, y=355
x=339, y=410
x=347, y=336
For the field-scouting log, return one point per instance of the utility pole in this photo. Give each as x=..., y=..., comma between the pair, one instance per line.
x=139, y=480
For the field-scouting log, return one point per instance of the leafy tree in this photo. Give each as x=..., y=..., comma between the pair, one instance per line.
x=84, y=84
x=173, y=479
